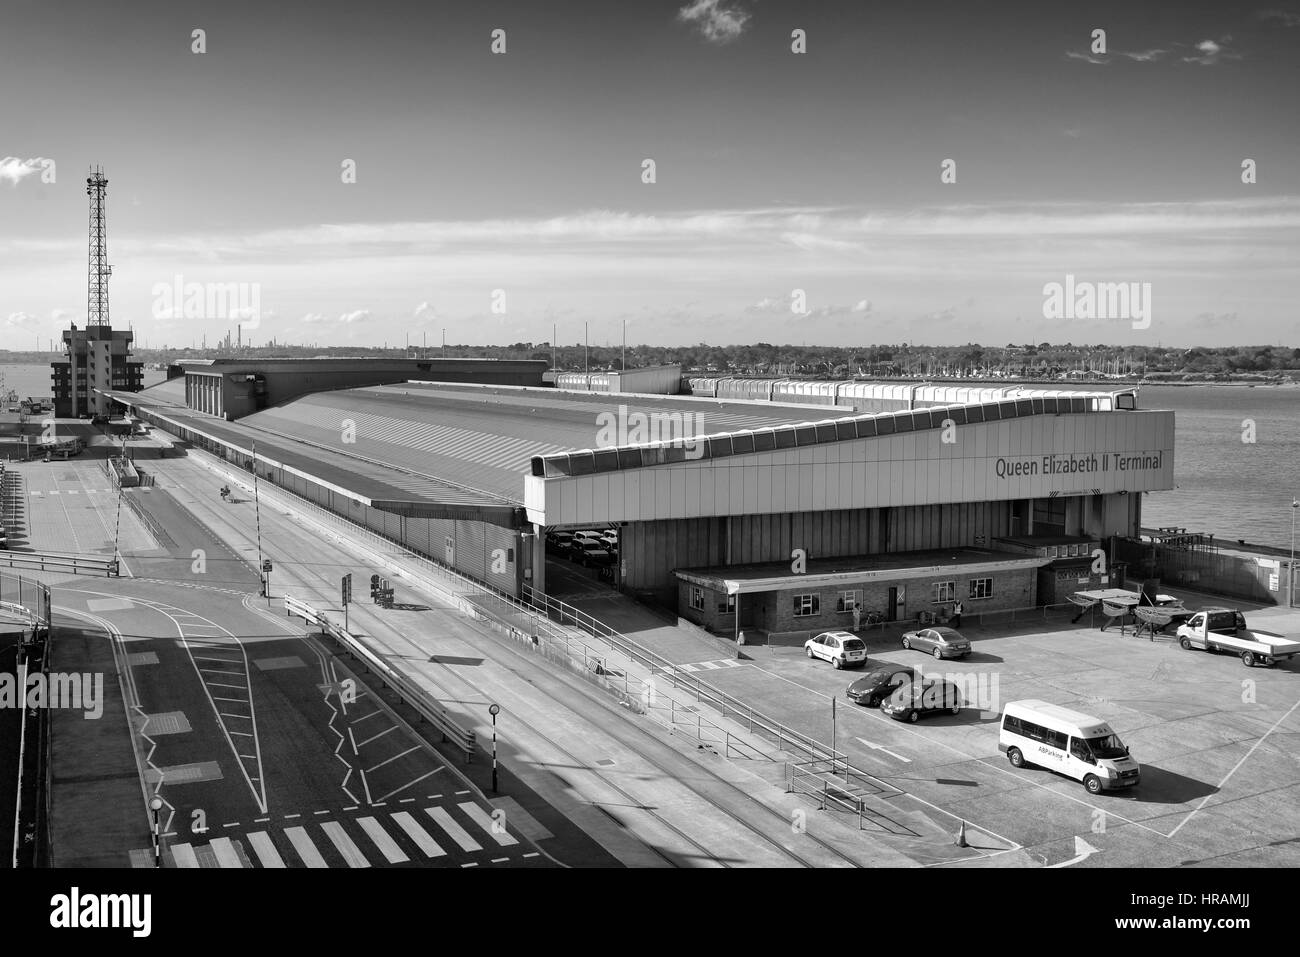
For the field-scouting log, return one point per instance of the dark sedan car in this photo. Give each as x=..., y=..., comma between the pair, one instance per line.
x=590, y=554
x=876, y=685
x=910, y=701
x=940, y=641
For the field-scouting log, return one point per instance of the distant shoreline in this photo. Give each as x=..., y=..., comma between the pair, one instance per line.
x=1051, y=383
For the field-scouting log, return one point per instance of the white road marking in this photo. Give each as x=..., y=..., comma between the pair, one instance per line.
x=1082, y=851
x=183, y=855
x=409, y=783
x=376, y=737
x=306, y=849
x=225, y=852
x=880, y=747
x=454, y=830
x=387, y=846
x=265, y=850
x=1244, y=758
x=418, y=834
x=393, y=758
x=484, y=820
x=351, y=853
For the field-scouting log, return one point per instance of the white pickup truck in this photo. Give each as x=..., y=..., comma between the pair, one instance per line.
x=1224, y=629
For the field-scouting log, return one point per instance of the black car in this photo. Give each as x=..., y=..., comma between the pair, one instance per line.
x=876, y=685
x=912, y=700
x=587, y=553
x=557, y=543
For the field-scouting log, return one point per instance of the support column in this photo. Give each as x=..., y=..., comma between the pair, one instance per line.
x=539, y=558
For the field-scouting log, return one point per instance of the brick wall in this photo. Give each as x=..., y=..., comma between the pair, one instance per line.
x=774, y=611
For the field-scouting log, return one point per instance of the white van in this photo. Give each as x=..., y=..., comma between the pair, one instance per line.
x=1075, y=744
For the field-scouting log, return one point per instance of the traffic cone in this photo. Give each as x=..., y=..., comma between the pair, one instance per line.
x=961, y=836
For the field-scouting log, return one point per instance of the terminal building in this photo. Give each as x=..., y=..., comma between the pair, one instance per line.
x=98, y=360
x=738, y=513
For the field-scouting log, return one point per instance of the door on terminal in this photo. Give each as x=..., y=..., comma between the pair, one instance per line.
x=897, y=603
x=749, y=608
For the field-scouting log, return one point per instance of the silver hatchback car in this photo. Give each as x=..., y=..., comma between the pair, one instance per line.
x=840, y=648
x=942, y=642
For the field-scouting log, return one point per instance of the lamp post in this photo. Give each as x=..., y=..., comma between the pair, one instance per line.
x=156, y=806
x=494, y=710
x=1290, y=578
x=834, y=738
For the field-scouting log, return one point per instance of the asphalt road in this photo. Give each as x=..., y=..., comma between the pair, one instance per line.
x=266, y=749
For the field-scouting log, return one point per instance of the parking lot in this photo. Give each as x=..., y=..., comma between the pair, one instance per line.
x=1217, y=741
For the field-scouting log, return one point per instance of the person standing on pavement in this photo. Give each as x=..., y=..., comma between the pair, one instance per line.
x=857, y=619
x=956, y=613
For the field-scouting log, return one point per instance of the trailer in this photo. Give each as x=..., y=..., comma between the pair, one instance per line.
x=1224, y=629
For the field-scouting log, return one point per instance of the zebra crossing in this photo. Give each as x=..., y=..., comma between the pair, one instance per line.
x=704, y=665
x=431, y=835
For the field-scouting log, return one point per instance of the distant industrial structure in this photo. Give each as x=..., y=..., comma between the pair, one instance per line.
x=97, y=357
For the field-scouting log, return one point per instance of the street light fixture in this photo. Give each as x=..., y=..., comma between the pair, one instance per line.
x=1290, y=578
x=494, y=710
x=156, y=806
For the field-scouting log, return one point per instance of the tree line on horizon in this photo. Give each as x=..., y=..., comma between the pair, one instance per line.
x=902, y=360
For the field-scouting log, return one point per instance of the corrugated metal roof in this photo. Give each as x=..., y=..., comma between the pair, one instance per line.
x=482, y=437
x=807, y=430
x=373, y=481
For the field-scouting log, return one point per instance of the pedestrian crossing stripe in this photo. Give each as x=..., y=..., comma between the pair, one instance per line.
x=454, y=830
x=355, y=852
x=705, y=665
x=351, y=853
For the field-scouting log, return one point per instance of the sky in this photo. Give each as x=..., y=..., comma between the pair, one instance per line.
x=796, y=197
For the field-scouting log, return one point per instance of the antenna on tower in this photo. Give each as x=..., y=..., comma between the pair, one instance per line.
x=100, y=270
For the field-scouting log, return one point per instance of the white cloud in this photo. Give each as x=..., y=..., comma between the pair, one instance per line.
x=1144, y=56
x=1212, y=52
x=862, y=305
x=21, y=320
x=358, y=316
x=717, y=21
x=15, y=170
x=312, y=319
x=769, y=304
x=1088, y=57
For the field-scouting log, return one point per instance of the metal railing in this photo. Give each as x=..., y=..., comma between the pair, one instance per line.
x=423, y=703
x=151, y=524
x=786, y=738
x=25, y=597
x=838, y=787
x=47, y=562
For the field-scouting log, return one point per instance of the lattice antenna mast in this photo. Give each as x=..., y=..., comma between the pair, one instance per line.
x=100, y=270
